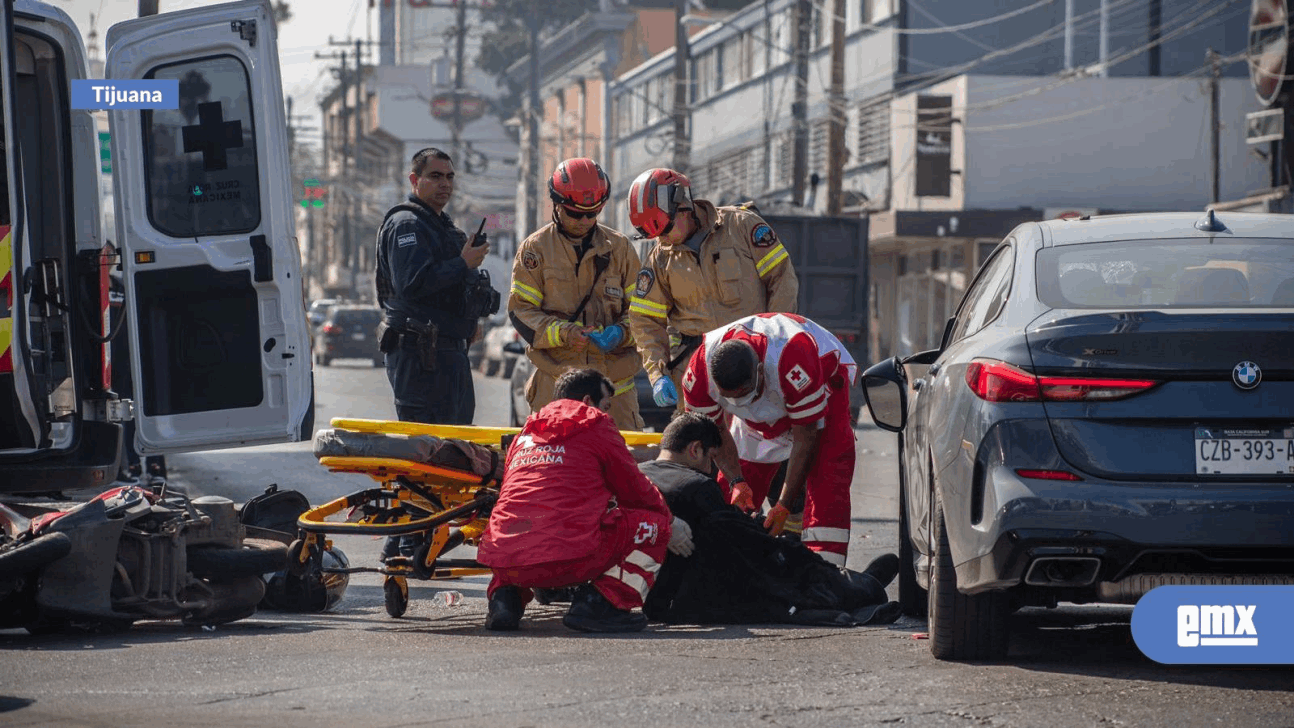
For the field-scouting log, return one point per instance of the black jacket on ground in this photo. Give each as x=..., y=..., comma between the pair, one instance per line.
x=737, y=573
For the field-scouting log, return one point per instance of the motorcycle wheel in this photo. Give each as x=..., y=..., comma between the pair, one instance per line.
x=255, y=557
x=30, y=556
x=233, y=600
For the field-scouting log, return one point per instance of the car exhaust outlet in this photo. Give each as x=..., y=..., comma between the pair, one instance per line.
x=1063, y=571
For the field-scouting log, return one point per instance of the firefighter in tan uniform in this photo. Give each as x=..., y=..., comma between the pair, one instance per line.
x=710, y=266
x=570, y=293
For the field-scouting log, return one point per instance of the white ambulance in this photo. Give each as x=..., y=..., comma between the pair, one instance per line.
x=219, y=346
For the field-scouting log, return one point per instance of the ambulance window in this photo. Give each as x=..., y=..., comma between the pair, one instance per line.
x=201, y=158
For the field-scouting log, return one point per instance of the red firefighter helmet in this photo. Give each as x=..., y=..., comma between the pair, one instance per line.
x=655, y=197
x=579, y=184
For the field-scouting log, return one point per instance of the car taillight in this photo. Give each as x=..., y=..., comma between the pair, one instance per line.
x=997, y=381
x=332, y=329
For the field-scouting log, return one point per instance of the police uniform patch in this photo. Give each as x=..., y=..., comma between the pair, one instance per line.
x=530, y=260
x=645, y=281
x=406, y=240
x=763, y=236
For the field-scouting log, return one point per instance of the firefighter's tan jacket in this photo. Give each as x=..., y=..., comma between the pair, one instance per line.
x=547, y=287
x=742, y=269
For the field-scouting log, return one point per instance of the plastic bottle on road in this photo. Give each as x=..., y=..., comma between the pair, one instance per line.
x=449, y=598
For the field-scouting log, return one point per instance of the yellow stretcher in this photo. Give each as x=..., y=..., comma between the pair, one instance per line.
x=447, y=507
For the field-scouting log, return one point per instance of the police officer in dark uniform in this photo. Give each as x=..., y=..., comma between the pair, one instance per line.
x=433, y=294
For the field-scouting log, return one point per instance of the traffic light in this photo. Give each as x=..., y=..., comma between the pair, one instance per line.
x=314, y=194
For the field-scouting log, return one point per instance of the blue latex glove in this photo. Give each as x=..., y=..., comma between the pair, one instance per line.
x=608, y=338
x=663, y=391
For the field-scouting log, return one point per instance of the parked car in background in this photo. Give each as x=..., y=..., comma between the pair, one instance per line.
x=654, y=416
x=319, y=310
x=349, y=332
x=496, y=358
x=1108, y=412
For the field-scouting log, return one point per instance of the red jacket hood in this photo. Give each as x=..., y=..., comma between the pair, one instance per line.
x=562, y=418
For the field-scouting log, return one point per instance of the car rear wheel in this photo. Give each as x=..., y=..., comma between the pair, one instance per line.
x=962, y=626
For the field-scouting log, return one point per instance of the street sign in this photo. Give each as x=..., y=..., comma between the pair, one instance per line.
x=105, y=153
x=1269, y=48
x=1264, y=126
x=471, y=106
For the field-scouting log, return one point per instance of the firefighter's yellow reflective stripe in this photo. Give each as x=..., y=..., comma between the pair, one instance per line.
x=648, y=308
x=770, y=261
x=555, y=334
x=529, y=293
x=623, y=386
x=629, y=335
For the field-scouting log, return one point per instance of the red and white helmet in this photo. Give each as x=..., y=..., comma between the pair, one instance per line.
x=579, y=184
x=655, y=197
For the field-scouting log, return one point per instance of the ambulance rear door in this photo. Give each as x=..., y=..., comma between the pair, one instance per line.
x=220, y=349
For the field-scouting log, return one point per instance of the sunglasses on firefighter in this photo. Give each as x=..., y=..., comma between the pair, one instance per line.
x=578, y=215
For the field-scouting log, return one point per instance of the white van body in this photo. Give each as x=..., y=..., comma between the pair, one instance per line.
x=205, y=247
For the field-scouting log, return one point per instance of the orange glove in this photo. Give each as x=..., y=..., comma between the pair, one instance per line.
x=739, y=495
x=776, y=519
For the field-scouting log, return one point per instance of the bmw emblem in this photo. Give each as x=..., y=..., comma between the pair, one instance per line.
x=1246, y=375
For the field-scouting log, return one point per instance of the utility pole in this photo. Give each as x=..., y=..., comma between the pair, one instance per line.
x=768, y=97
x=532, y=125
x=460, y=41
x=836, y=137
x=682, y=142
x=338, y=250
x=1215, y=181
x=800, y=107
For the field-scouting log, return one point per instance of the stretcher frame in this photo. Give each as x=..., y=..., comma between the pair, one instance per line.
x=448, y=507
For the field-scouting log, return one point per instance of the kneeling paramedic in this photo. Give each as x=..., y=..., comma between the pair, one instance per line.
x=573, y=509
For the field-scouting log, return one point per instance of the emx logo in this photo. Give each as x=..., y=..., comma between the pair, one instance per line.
x=1217, y=625
x=1211, y=625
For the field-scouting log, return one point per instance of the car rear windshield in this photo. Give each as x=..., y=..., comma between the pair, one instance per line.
x=1251, y=273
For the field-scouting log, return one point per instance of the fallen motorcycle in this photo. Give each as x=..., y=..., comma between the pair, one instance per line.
x=130, y=554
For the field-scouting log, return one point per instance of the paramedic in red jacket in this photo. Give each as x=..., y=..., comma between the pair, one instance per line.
x=782, y=383
x=574, y=509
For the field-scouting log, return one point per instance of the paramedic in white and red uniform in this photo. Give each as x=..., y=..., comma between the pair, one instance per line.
x=782, y=383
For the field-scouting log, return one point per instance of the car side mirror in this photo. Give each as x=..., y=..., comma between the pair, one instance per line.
x=885, y=390
x=514, y=347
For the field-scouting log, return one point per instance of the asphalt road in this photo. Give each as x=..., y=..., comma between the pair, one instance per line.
x=356, y=666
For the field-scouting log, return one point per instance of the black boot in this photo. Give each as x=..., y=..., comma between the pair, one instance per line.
x=591, y=612
x=868, y=586
x=883, y=569
x=505, y=610
x=551, y=596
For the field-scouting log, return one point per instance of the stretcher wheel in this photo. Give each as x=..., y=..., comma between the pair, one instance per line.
x=296, y=566
x=395, y=591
